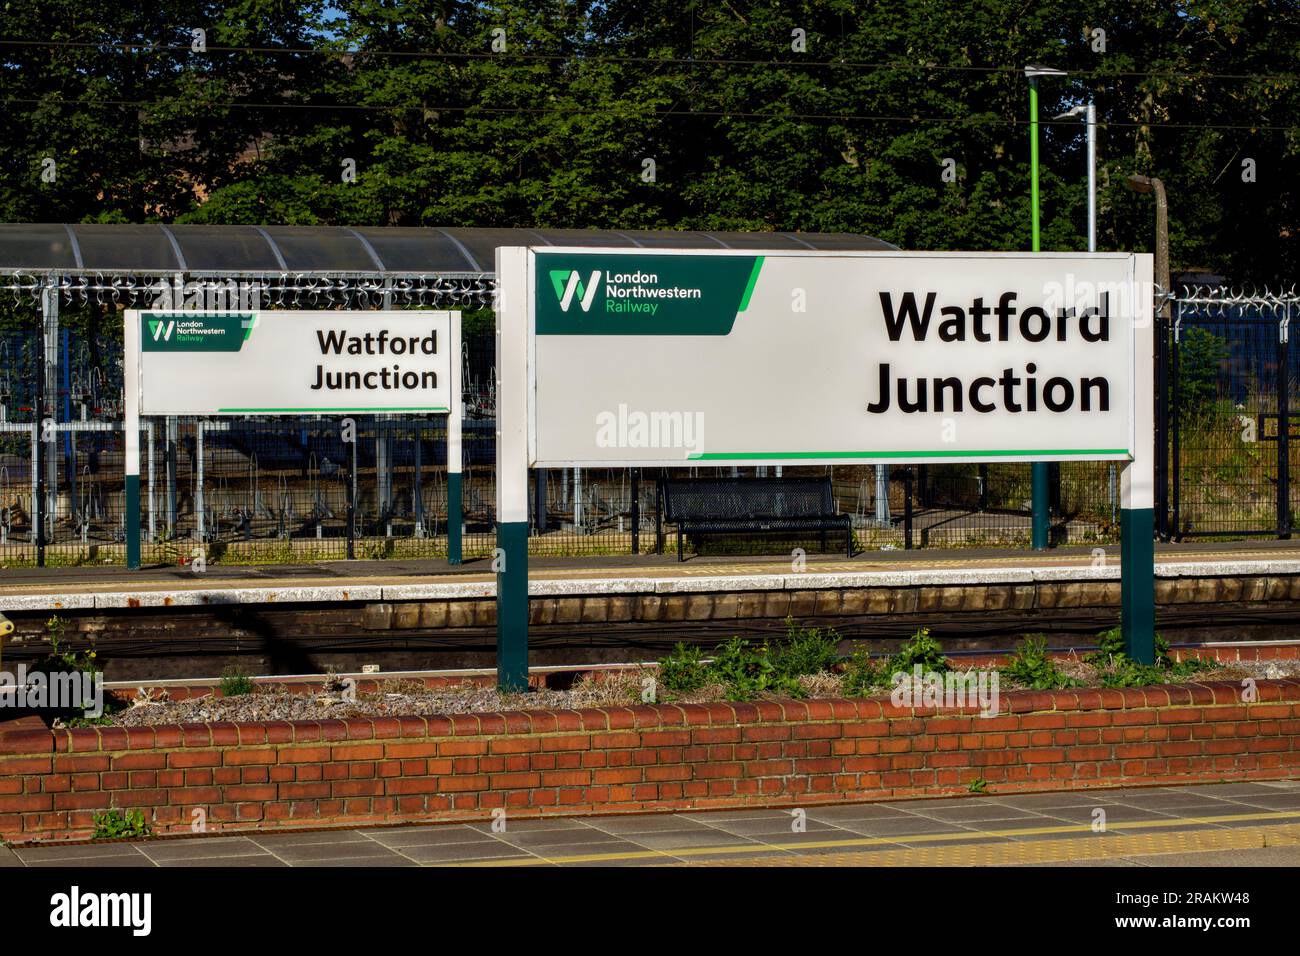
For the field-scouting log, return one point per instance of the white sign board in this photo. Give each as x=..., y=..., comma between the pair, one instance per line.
x=280, y=362
x=687, y=357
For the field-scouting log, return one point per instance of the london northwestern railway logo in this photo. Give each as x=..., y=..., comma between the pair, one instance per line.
x=636, y=294
x=569, y=285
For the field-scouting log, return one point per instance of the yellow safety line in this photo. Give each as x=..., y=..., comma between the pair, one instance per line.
x=964, y=835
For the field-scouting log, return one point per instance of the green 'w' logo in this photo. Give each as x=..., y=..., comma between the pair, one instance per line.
x=160, y=330
x=568, y=283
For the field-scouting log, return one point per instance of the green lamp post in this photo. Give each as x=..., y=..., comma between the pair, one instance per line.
x=1042, y=518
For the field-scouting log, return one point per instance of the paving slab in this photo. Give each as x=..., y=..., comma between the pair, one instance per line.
x=771, y=828
x=669, y=840
x=1115, y=813
x=203, y=848
x=79, y=853
x=1281, y=801
x=306, y=853
x=97, y=863
x=430, y=836
x=464, y=852
x=273, y=841
x=224, y=862
x=979, y=812
x=1181, y=802
x=546, y=841
x=894, y=828
x=634, y=825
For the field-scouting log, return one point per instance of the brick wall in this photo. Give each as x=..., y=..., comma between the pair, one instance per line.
x=788, y=753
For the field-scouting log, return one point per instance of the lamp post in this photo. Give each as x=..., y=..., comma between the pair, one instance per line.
x=1089, y=114
x=1149, y=184
x=1038, y=470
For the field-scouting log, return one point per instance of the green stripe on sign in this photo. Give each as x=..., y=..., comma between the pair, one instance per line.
x=383, y=408
x=992, y=453
x=753, y=280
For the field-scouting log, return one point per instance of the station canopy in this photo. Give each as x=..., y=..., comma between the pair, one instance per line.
x=322, y=265
x=242, y=250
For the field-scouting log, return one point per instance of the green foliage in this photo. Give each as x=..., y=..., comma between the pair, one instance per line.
x=865, y=675
x=1184, y=668
x=1117, y=669
x=55, y=626
x=115, y=825
x=1110, y=644
x=1032, y=666
x=1200, y=369
x=103, y=720
x=235, y=682
x=746, y=670
x=806, y=650
x=745, y=133
x=922, y=649
x=683, y=670
x=60, y=658
x=978, y=785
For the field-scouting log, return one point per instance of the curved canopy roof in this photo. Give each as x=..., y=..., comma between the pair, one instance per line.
x=127, y=249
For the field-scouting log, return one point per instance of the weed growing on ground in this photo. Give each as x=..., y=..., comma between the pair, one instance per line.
x=923, y=649
x=865, y=675
x=1116, y=669
x=1031, y=666
x=683, y=670
x=116, y=825
x=235, y=682
x=746, y=669
x=806, y=650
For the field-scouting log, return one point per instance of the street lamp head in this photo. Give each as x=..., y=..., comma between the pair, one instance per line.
x=1139, y=184
x=1034, y=70
x=1080, y=110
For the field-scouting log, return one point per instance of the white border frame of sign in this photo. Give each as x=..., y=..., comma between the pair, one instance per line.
x=516, y=277
x=530, y=289
x=133, y=395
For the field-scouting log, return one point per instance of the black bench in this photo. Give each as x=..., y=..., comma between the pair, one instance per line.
x=701, y=506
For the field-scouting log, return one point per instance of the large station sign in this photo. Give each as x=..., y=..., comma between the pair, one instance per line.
x=632, y=357
x=690, y=358
x=294, y=362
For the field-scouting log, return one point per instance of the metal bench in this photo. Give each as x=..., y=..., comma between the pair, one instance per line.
x=718, y=506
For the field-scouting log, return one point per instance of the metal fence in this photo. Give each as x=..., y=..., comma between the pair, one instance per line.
x=292, y=490
x=1225, y=376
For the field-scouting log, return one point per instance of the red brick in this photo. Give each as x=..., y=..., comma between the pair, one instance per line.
x=194, y=758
